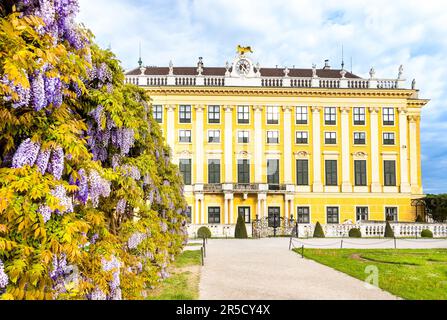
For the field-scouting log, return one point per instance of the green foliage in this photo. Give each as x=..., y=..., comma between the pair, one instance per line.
x=318, y=232
x=355, y=233
x=419, y=219
x=389, y=233
x=203, y=232
x=240, y=232
x=426, y=233
x=436, y=204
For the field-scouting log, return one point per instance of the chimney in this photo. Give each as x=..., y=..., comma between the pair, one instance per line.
x=326, y=64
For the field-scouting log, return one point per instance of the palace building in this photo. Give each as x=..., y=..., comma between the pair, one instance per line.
x=316, y=144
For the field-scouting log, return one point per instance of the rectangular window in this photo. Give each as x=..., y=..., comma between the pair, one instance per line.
x=213, y=214
x=359, y=138
x=389, y=138
x=303, y=214
x=302, y=172
x=188, y=214
x=274, y=217
x=272, y=137
x=214, y=136
x=330, y=137
x=273, y=171
x=213, y=114
x=332, y=215
x=388, y=116
x=389, y=172
x=391, y=213
x=185, y=170
x=245, y=213
x=184, y=136
x=243, y=171
x=301, y=137
x=157, y=113
x=361, y=213
x=331, y=172
x=272, y=115
x=243, y=114
x=301, y=115
x=359, y=116
x=185, y=114
x=360, y=172
x=214, y=171
x=243, y=137
x=330, y=116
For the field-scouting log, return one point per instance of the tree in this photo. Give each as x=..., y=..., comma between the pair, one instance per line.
x=86, y=182
x=240, y=232
x=318, y=232
x=436, y=206
x=389, y=233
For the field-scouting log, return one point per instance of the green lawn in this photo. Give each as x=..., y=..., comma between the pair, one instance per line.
x=183, y=284
x=407, y=273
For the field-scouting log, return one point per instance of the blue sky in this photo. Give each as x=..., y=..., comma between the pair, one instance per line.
x=379, y=33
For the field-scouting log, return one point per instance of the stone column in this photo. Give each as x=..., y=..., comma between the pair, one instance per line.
x=258, y=208
x=345, y=143
x=413, y=155
x=202, y=210
x=225, y=216
x=287, y=152
x=258, y=143
x=199, y=144
x=170, y=126
x=228, y=151
x=286, y=208
x=316, y=129
x=375, y=172
x=231, y=209
x=403, y=125
x=196, y=211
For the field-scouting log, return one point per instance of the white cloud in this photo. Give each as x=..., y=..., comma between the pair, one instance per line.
x=380, y=33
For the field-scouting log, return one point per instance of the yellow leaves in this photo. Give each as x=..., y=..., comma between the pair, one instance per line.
x=6, y=296
x=3, y=228
x=16, y=269
x=35, y=273
x=7, y=245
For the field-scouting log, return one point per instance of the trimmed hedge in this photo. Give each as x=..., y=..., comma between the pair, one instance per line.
x=240, y=232
x=318, y=232
x=389, y=233
x=426, y=233
x=355, y=233
x=203, y=232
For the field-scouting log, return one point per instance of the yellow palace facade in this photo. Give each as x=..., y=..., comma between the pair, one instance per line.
x=309, y=144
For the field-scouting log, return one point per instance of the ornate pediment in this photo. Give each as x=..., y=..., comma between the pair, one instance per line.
x=360, y=155
x=302, y=154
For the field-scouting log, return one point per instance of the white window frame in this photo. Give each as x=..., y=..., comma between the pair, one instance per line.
x=307, y=137
x=243, y=132
x=184, y=131
x=272, y=132
x=270, y=112
x=330, y=132
x=306, y=113
x=213, y=131
x=359, y=132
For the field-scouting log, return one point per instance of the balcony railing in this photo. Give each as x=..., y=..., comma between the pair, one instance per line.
x=271, y=82
x=212, y=187
x=246, y=187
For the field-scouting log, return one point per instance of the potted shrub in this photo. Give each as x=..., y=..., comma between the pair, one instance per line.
x=241, y=231
x=318, y=232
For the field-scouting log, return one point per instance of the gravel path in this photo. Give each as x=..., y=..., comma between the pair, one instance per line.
x=265, y=269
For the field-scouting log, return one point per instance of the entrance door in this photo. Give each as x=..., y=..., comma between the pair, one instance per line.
x=245, y=213
x=274, y=217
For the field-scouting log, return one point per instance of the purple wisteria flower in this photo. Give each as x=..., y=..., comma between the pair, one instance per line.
x=26, y=154
x=64, y=200
x=4, y=279
x=56, y=166
x=42, y=160
x=82, y=183
x=121, y=206
x=98, y=187
x=113, y=265
x=45, y=212
x=24, y=94
x=38, y=92
x=135, y=239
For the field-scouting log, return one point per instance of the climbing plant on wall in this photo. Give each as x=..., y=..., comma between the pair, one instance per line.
x=91, y=206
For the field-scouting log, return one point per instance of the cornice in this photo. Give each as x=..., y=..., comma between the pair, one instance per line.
x=306, y=92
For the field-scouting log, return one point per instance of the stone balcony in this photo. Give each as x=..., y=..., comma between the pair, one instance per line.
x=268, y=82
